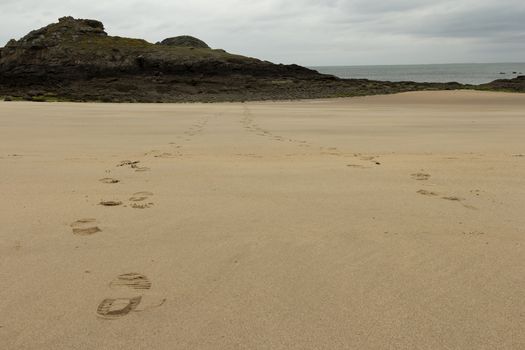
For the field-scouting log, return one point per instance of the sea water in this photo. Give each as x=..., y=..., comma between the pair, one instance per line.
x=466, y=73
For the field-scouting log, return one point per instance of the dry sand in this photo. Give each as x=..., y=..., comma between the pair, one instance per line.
x=388, y=222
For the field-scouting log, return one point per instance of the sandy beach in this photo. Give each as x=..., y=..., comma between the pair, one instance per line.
x=384, y=222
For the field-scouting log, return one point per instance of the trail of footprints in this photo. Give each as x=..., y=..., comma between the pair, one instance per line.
x=422, y=176
x=187, y=136
x=251, y=126
x=114, y=308
x=132, y=288
x=196, y=128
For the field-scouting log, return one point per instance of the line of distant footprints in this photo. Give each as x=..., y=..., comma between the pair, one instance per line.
x=420, y=176
x=250, y=125
x=132, y=287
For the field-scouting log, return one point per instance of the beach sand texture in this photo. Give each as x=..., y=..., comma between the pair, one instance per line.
x=385, y=222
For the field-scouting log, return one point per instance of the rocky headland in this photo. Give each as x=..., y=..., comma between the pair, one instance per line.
x=76, y=60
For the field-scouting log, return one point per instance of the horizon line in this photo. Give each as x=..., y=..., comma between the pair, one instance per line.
x=409, y=64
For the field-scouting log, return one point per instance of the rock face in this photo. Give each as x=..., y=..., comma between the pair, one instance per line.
x=185, y=41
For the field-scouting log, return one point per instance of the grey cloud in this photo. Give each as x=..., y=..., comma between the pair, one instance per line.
x=488, y=22
x=307, y=32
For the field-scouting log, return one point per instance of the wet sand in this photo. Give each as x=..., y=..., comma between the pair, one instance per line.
x=385, y=222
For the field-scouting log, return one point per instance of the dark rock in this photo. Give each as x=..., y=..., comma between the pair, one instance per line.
x=185, y=41
x=516, y=85
x=67, y=28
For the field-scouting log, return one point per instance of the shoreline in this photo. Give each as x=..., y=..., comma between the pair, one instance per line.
x=12, y=99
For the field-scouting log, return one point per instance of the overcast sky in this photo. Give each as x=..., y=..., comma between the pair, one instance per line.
x=307, y=32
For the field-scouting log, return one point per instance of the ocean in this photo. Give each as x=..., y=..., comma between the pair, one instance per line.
x=466, y=73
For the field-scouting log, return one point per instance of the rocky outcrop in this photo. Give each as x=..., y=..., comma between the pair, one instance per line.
x=185, y=41
x=67, y=28
x=78, y=49
x=76, y=60
x=515, y=85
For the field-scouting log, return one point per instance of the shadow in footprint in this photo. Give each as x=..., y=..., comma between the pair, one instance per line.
x=109, y=180
x=453, y=198
x=110, y=203
x=128, y=162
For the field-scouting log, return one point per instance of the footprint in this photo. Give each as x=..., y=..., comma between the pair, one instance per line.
x=110, y=203
x=427, y=193
x=449, y=198
x=133, y=165
x=109, y=180
x=164, y=155
x=460, y=200
x=453, y=198
x=139, y=169
x=131, y=280
x=85, y=227
x=141, y=206
x=140, y=196
x=128, y=162
x=116, y=308
x=357, y=166
x=420, y=176
x=158, y=154
x=139, y=284
x=474, y=233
